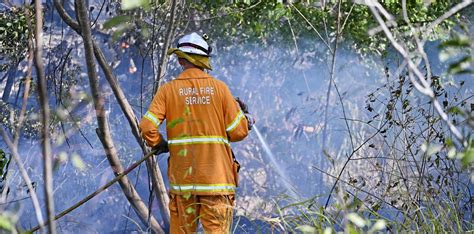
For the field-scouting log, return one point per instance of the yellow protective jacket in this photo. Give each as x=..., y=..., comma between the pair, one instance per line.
x=202, y=119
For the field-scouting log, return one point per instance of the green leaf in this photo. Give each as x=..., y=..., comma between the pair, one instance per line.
x=462, y=41
x=376, y=207
x=120, y=30
x=5, y=223
x=468, y=157
x=117, y=20
x=406, y=103
x=183, y=152
x=356, y=219
x=327, y=230
x=132, y=4
x=62, y=157
x=174, y=122
x=351, y=230
x=186, y=196
x=445, y=55
x=378, y=226
x=306, y=229
x=187, y=110
x=424, y=147
x=190, y=210
x=461, y=66
x=77, y=162
x=455, y=110
x=188, y=171
x=452, y=152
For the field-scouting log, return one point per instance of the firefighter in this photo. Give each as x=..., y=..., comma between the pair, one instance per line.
x=202, y=119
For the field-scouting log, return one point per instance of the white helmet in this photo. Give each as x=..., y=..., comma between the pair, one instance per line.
x=194, y=44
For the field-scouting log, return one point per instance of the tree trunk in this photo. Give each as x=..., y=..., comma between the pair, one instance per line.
x=152, y=167
x=103, y=129
x=44, y=103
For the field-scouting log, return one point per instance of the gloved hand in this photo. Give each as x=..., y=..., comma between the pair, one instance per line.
x=162, y=147
x=250, y=120
x=245, y=109
x=242, y=105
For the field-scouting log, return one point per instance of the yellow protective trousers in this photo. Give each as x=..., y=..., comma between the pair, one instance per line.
x=213, y=211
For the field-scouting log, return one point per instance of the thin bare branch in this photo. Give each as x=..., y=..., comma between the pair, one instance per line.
x=314, y=29
x=448, y=14
x=168, y=38
x=44, y=104
x=16, y=157
x=360, y=189
x=331, y=82
x=297, y=53
x=349, y=158
x=420, y=83
x=101, y=189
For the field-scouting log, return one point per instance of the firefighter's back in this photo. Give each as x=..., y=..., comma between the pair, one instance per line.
x=201, y=161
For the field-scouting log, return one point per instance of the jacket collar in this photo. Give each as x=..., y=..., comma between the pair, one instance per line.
x=193, y=73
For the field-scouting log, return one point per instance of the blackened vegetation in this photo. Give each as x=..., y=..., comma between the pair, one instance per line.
x=412, y=176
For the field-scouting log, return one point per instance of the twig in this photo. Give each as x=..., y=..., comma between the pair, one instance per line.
x=76, y=125
x=61, y=74
x=347, y=17
x=362, y=190
x=419, y=83
x=311, y=25
x=16, y=200
x=331, y=81
x=101, y=189
x=448, y=14
x=297, y=53
x=349, y=159
x=164, y=49
x=420, y=44
x=339, y=29
x=44, y=103
x=24, y=175
x=98, y=14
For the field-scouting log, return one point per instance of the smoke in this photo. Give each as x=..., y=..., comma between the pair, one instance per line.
x=284, y=89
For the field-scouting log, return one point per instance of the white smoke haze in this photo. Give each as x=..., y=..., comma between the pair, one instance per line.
x=285, y=90
x=286, y=93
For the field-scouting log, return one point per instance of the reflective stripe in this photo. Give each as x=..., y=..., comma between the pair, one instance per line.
x=203, y=187
x=236, y=122
x=198, y=140
x=150, y=116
